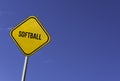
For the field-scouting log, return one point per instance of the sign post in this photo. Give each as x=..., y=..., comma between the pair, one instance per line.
x=29, y=36
x=24, y=68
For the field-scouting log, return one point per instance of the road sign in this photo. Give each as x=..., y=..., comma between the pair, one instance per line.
x=30, y=35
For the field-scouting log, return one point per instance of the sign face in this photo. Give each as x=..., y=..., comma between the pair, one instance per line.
x=30, y=35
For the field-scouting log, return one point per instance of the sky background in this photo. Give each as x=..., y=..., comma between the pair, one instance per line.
x=84, y=46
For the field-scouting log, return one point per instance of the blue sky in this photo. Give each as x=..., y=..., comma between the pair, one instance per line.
x=84, y=46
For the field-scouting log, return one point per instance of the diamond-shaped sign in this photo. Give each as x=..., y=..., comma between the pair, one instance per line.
x=30, y=35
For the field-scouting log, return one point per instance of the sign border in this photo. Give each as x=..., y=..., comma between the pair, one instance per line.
x=31, y=53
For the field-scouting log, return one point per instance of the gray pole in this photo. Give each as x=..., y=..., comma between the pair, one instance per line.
x=24, y=68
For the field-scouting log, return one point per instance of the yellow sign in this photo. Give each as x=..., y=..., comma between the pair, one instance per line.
x=30, y=35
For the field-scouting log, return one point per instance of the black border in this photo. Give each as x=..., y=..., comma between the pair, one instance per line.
x=11, y=35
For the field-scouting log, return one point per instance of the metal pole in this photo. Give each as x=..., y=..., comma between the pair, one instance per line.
x=24, y=68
